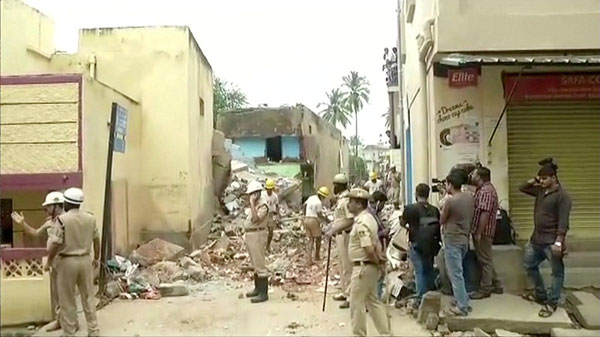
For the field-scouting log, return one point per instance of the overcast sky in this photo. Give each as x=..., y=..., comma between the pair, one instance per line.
x=276, y=51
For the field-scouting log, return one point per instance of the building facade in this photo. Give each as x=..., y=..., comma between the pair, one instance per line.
x=504, y=83
x=281, y=139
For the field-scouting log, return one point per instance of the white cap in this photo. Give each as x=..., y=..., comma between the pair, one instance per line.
x=254, y=186
x=53, y=198
x=74, y=196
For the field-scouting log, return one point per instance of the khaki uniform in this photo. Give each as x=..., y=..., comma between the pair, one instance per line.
x=50, y=227
x=342, y=240
x=272, y=201
x=395, y=187
x=256, y=238
x=75, y=236
x=364, y=278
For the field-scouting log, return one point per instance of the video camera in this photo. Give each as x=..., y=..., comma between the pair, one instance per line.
x=437, y=185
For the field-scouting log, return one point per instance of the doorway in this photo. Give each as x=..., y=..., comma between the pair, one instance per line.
x=6, y=223
x=274, y=150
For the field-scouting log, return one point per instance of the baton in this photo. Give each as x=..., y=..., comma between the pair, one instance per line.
x=327, y=274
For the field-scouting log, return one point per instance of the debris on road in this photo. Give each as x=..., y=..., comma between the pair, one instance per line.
x=155, y=251
x=173, y=289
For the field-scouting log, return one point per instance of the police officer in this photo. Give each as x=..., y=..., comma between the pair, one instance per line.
x=367, y=260
x=53, y=204
x=256, y=241
x=342, y=224
x=72, y=242
x=273, y=202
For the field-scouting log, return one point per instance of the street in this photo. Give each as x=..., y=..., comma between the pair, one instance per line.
x=214, y=309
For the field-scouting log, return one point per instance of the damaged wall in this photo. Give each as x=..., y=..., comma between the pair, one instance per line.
x=305, y=136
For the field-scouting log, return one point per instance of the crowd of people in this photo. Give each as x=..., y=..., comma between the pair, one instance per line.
x=467, y=221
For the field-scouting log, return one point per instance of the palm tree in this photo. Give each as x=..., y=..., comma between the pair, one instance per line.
x=388, y=118
x=335, y=111
x=356, y=95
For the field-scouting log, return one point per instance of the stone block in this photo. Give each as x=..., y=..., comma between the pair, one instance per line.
x=508, y=312
x=508, y=264
x=506, y=333
x=196, y=273
x=431, y=303
x=559, y=332
x=582, y=297
x=432, y=321
x=155, y=251
x=186, y=262
x=588, y=315
x=480, y=333
x=173, y=289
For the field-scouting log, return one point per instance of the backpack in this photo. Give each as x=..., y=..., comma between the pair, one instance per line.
x=428, y=240
x=505, y=233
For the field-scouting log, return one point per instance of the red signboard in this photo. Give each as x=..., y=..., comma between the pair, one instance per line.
x=461, y=78
x=553, y=87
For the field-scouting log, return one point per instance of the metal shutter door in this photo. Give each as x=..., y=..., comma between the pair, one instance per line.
x=571, y=135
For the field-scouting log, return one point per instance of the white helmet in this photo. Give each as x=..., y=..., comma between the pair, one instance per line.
x=254, y=186
x=53, y=198
x=74, y=196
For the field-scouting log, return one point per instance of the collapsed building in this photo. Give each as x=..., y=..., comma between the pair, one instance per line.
x=288, y=141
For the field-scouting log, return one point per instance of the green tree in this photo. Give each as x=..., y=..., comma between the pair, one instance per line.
x=388, y=118
x=335, y=110
x=358, y=169
x=227, y=96
x=356, y=95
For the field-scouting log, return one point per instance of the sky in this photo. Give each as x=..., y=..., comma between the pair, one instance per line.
x=276, y=51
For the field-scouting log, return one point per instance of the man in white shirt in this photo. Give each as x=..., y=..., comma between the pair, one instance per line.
x=374, y=184
x=313, y=215
x=272, y=201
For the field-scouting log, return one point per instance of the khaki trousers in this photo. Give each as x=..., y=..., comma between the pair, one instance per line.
x=76, y=271
x=483, y=250
x=363, y=295
x=341, y=242
x=256, y=244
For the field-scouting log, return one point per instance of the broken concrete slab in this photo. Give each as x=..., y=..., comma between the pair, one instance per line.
x=432, y=321
x=559, y=332
x=186, y=262
x=505, y=333
x=582, y=298
x=167, y=271
x=480, y=333
x=155, y=251
x=490, y=314
x=196, y=273
x=173, y=289
x=588, y=315
x=430, y=303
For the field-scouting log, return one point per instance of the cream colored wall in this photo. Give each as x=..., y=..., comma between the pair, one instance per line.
x=26, y=39
x=200, y=131
x=127, y=205
x=30, y=204
x=511, y=25
x=152, y=64
x=49, y=144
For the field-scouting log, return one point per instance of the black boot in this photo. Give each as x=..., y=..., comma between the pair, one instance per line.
x=254, y=292
x=263, y=290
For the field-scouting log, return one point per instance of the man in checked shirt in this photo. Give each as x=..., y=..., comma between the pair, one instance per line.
x=483, y=230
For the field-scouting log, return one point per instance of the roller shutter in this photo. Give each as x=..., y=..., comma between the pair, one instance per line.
x=571, y=135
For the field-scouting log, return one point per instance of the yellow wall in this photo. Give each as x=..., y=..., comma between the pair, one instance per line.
x=39, y=128
x=27, y=39
x=30, y=204
x=511, y=25
x=126, y=207
x=160, y=67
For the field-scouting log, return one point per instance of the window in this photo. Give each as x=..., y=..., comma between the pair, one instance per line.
x=274, y=149
x=310, y=129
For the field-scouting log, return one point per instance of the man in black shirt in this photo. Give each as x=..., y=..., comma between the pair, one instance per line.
x=551, y=223
x=422, y=219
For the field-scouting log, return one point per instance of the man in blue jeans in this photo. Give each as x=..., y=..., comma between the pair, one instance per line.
x=422, y=220
x=551, y=223
x=456, y=217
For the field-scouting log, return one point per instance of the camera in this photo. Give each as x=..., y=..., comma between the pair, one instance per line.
x=437, y=185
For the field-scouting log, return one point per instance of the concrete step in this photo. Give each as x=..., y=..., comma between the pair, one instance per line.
x=576, y=278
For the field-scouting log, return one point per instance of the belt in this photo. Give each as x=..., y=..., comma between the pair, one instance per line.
x=73, y=255
x=362, y=263
x=250, y=230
